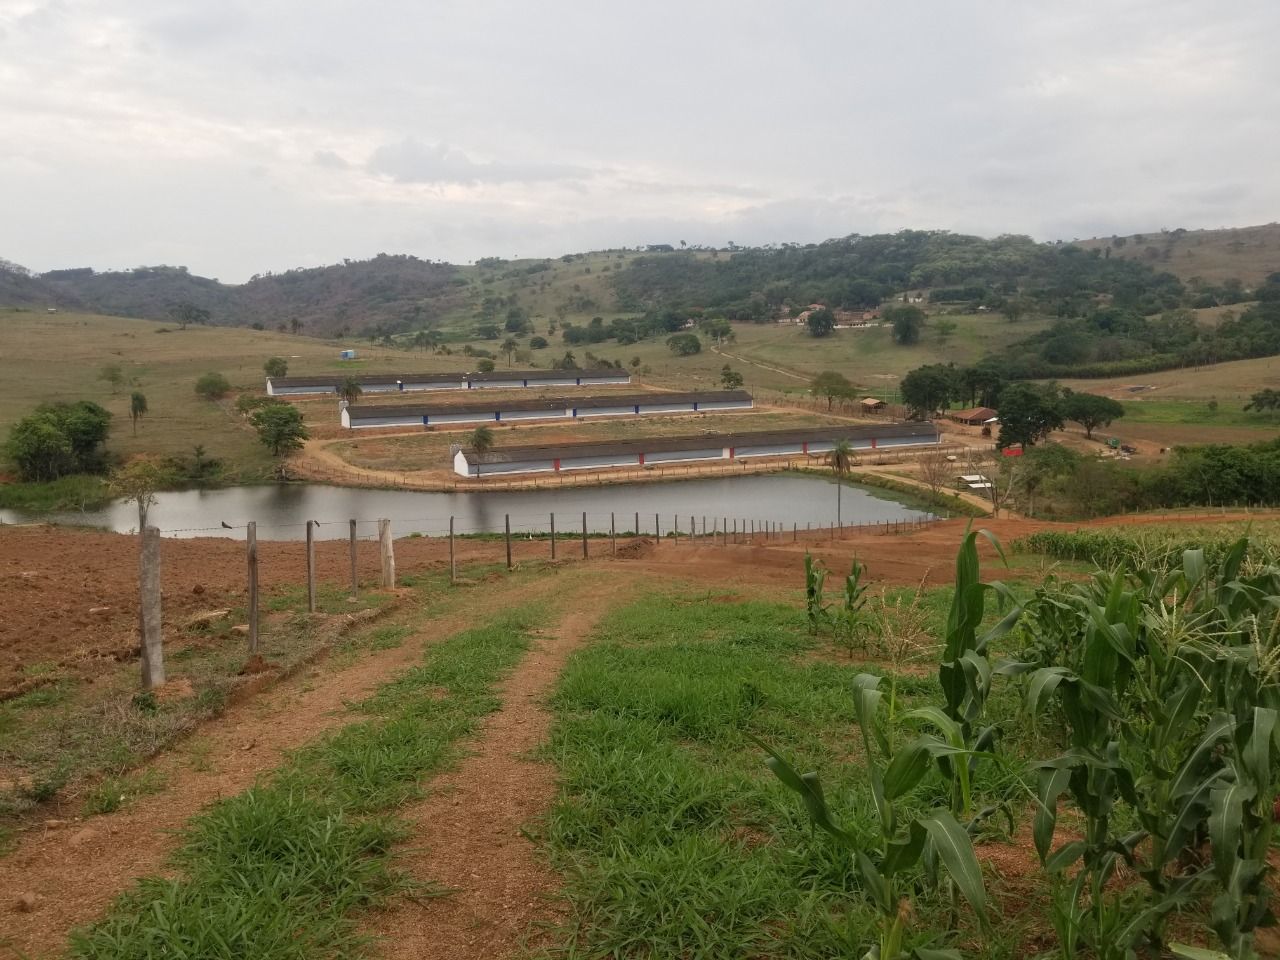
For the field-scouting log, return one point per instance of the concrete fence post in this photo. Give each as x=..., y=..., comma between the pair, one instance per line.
x=507, y=526
x=149, y=619
x=637, y=526
x=584, y=534
x=386, y=550
x=453, y=559
x=657, y=528
x=311, y=566
x=251, y=556
x=613, y=535
x=553, y=536
x=355, y=573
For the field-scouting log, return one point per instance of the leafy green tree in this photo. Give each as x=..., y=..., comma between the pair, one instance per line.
x=1090, y=410
x=538, y=343
x=485, y=365
x=840, y=458
x=730, y=378
x=212, y=386
x=821, y=322
x=276, y=367
x=684, y=344
x=1029, y=412
x=944, y=329
x=831, y=385
x=350, y=390
x=928, y=389
x=59, y=439
x=137, y=408
x=185, y=313
x=1267, y=399
x=280, y=428
x=112, y=374
x=481, y=439
x=907, y=323
x=295, y=325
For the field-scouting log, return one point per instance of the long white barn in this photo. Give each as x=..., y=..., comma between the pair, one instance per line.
x=555, y=408
x=666, y=450
x=416, y=382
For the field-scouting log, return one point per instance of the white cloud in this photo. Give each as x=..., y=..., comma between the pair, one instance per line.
x=238, y=137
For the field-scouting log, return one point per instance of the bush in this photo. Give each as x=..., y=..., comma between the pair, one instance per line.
x=685, y=344
x=213, y=386
x=58, y=440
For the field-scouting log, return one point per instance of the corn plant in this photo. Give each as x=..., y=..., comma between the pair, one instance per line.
x=905, y=842
x=848, y=619
x=965, y=674
x=1168, y=688
x=815, y=577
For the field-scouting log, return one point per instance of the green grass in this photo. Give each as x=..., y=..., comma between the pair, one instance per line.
x=277, y=872
x=1186, y=411
x=58, y=358
x=67, y=493
x=674, y=838
x=115, y=792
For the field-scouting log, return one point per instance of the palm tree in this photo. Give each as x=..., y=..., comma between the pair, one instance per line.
x=350, y=390
x=137, y=407
x=509, y=347
x=841, y=459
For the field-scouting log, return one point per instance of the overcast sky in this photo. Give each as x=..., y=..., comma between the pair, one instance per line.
x=241, y=136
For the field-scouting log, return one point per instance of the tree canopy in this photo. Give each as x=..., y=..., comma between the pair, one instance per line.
x=907, y=323
x=213, y=386
x=276, y=367
x=730, y=378
x=928, y=389
x=59, y=439
x=831, y=385
x=279, y=427
x=821, y=322
x=1090, y=410
x=684, y=344
x=1029, y=412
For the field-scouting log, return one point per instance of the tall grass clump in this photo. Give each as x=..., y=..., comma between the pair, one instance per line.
x=1138, y=548
x=275, y=873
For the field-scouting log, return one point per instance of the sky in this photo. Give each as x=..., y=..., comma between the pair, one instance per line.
x=240, y=137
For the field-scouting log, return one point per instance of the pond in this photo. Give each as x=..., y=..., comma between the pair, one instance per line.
x=281, y=511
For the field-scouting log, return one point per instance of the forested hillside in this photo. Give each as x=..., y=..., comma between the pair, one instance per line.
x=386, y=293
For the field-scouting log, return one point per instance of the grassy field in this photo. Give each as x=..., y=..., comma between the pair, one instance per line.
x=1246, y=253
x=783, y=357
x=1227, y=383
x=51, y=358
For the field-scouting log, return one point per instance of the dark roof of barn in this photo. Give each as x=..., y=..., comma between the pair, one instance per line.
x=460, y=375
x=879, y=431
x=369, y=412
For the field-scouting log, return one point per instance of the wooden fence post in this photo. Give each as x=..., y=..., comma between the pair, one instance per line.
x=251, y=554
x=657, y=529
x=152, y=641
x=553, y=536
x=355, y=573
x=637, y=527
x=584, y=534
x=453, y=560
x=311, y=566
x=613, y=535
x=507, y=525
x=675, y=527
x=387, y=551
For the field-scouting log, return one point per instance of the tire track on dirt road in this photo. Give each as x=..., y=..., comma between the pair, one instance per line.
x=468, y=832
x=77, y=869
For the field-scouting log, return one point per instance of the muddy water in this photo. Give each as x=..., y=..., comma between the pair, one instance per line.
x=281, y=511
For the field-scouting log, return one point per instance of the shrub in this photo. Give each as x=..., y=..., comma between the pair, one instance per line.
x=212, y=386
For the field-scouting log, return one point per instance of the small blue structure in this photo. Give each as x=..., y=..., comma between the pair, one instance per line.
x=347, y=355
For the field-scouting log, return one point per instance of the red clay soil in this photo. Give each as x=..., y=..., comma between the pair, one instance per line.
x=71, y=870
x=468, y=832
x=70, y=596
